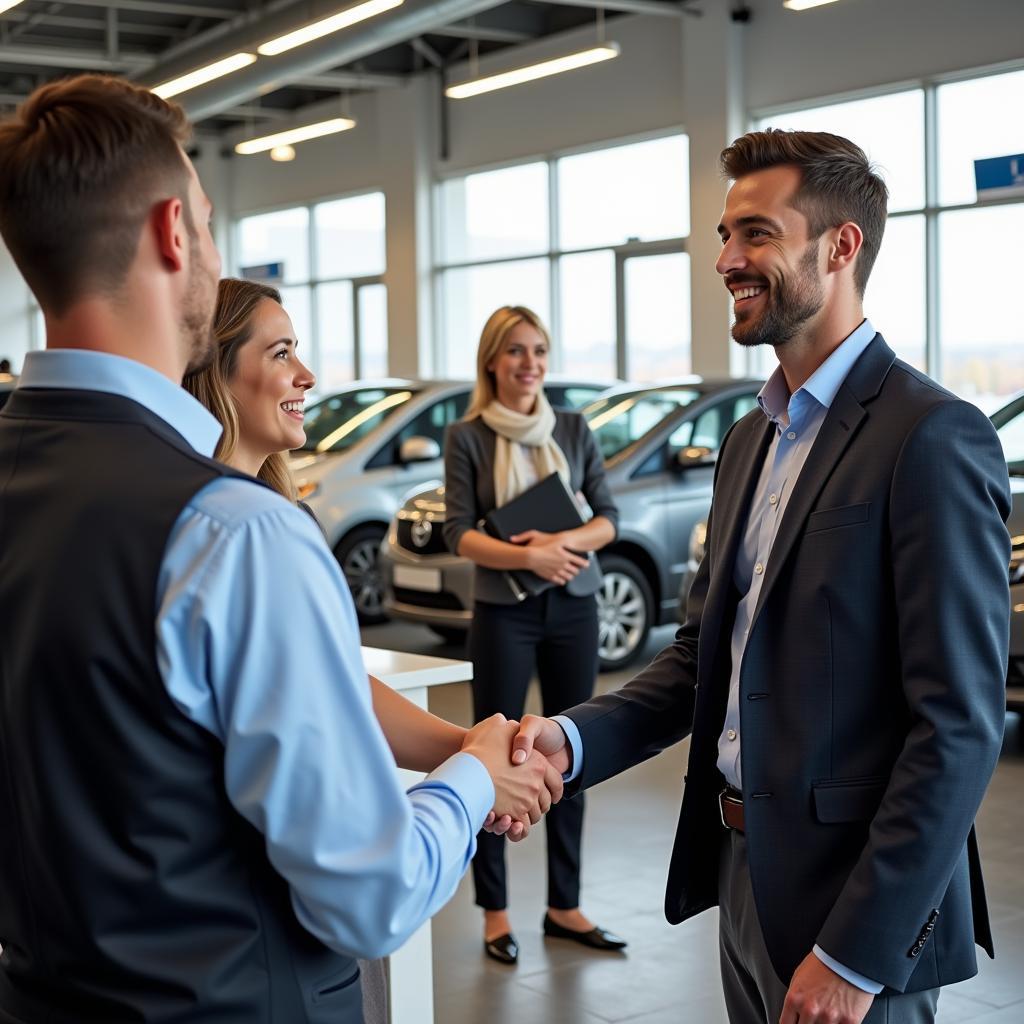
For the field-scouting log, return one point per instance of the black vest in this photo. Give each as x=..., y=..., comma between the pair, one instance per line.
x=130, y=888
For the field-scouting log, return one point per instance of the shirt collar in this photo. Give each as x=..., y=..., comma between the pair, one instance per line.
x=775, y=399
x=115, y=375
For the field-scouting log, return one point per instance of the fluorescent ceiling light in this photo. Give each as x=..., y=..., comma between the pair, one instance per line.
x=805, y=5
x=542, y=69
x=201, y=76
x=6, y=5
x=293, y=135
x=325, y=26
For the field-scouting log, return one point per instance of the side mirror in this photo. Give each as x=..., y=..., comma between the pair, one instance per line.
x=418, y=449
x=695, y=455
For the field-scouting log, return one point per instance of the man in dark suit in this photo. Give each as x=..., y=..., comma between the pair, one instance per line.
x=847, y=632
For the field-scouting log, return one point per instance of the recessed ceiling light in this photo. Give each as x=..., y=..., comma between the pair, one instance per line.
x=282, y=154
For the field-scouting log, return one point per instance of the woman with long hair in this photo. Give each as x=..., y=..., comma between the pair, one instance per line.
x=510, y=439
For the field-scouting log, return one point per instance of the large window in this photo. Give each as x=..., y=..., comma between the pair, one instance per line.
x=933, y=292
x=594, y=242
x=331, y=264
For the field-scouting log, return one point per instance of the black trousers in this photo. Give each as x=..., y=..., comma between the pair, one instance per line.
x=556, y=634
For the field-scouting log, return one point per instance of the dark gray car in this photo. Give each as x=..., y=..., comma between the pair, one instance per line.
x=659, y=444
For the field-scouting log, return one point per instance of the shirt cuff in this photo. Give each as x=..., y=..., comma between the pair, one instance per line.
x=864, y=984
x=467, y=778
x=572, y=734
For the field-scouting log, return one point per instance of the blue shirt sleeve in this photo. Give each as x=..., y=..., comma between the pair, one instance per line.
x=258, y=643
x=572, y=734
x=858, y=980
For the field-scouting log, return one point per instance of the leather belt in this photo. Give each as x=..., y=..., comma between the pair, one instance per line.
x=730, y=805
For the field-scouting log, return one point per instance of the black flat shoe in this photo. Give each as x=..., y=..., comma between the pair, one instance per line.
x=504, y=949
x=596, y=938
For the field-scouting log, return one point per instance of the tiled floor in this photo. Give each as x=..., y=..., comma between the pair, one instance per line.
x=668, y=975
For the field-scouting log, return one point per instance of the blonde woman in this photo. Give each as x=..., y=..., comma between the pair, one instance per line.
x=509, y=439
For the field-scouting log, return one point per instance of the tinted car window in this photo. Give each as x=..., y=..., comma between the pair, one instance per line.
x=570, y=396
x=708, y=430
x=620, y=420
x=338, y=422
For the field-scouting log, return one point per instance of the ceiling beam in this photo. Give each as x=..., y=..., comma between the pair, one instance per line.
x=91, y=24
x=349, y=80
x=161, y=7
x=61, y=57
x=425, y=50
x=483, y=33
x=413, y=18
x=663, y=8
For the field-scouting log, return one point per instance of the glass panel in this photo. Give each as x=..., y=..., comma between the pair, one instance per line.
x=982, y=340
x=890, y=129
x=349, y=237
x=336, y=334
x=639, y=191
x=622, y=419
x=587, y=335
x=373, y=329
x=977, y=119
x=472, y=294
x=658, y=316
x=338, y=422
x=495, y=214
x=282, y=236
x=895, y=297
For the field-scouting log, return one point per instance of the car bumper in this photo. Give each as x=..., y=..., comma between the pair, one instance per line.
x=435, y=590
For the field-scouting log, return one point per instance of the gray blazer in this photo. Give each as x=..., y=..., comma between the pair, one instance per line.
x=469, y=489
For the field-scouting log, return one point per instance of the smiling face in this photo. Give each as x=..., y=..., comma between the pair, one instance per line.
x=519, y=367
x=268, y=384
x=768, y=263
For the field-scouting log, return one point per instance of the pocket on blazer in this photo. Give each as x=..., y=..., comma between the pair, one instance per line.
x=842, y=800
x=844, y=515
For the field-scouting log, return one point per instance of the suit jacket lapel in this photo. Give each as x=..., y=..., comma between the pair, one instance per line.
x=837, y=432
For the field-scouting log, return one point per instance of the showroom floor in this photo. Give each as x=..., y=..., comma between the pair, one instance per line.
x=668, y=975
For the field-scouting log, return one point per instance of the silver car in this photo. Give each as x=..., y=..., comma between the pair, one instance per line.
x=659, y=444
x=371, y=445
x=1009, y=423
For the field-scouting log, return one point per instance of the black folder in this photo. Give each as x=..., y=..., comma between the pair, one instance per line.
x=547, y=506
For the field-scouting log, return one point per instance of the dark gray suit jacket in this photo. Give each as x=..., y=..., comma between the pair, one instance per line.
x=872, y=692
x=469, y=490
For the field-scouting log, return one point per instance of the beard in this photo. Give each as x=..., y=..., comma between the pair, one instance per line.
x=197, y=315
x=787, y=306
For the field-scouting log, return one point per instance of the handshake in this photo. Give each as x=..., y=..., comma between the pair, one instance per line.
x=526, y=762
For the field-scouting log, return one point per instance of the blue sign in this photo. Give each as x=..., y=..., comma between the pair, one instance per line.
x=264, y=272
x=1000, y=177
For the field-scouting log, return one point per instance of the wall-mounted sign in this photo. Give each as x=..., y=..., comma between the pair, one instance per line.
x=1000, y=177
x=264, y=272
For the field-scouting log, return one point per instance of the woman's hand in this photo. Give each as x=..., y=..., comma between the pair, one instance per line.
x=548, y=556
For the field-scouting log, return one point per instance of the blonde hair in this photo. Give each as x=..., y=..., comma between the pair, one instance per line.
x=237, y=302
x=493, y=336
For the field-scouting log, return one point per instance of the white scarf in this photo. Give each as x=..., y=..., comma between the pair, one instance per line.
x=511, y=471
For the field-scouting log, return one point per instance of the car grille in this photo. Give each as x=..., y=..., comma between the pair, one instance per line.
x=424, y=599
x=435, y=544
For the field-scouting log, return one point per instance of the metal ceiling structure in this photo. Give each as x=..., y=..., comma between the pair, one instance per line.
x=153, y=41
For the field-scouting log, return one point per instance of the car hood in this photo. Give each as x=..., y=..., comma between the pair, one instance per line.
x=310, y=468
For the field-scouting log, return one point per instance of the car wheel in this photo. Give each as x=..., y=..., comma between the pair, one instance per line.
x=625, y=608
x=357, y=554
x=452, y=637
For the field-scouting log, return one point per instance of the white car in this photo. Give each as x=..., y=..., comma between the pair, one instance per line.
x=370, y=446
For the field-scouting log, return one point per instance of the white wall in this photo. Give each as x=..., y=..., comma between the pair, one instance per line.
x=15, y=319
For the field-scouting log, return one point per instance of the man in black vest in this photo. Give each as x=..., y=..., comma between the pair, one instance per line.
x=201, y=818
x=842, y=665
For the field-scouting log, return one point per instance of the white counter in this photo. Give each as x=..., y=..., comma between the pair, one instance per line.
x=411, y=985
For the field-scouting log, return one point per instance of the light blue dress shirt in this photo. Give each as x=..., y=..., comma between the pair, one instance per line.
x=797, y=419
x=257, y=642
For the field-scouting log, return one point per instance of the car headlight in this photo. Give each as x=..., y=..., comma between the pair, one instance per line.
x=698, y=537
x=1017, y=559
x=306, y=490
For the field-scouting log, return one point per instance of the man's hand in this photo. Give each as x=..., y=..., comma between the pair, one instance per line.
x=548, y=556
x=817, y=995
x=523, y=791
x=546, y=736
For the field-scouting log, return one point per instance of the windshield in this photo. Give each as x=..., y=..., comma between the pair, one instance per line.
x=620, y=420
x=340, y=421
x=1010, y=428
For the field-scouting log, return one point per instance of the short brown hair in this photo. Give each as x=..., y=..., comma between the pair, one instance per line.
x=237, y=301
x=839, y=183
x=81, y=164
